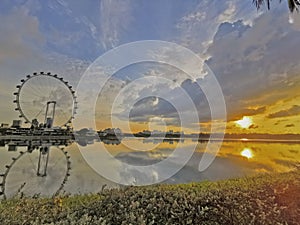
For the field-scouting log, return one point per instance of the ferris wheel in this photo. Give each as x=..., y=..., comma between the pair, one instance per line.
x=44, y=96
x=35, y=173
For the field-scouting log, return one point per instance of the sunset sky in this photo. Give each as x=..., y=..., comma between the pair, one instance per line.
x=253, y=54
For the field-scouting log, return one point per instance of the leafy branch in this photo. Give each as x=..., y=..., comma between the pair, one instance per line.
x=293, y=4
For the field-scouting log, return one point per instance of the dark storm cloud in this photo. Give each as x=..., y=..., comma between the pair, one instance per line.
x=148, y=108
x=145, y=109
x=293, y=111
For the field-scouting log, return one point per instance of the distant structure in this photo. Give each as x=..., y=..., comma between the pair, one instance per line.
x=157, y=133
x=49, y=99
x=34, y=124
x=4, y=125
x=16, y=124
x=110, y=132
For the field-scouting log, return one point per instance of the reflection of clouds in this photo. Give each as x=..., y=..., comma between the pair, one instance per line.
x=265, y=155
x=229, y=163
x=139, y=174
x=139, y=158
x=221, y=168
x=136, y=176
x=286, y=163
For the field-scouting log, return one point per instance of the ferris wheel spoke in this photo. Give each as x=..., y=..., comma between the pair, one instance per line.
x=26, y=102
x=62, y=115
x=33, y=165
x=12, y=183
x=39, y=84
x=16, y=179
x=18, y=169
x=40, y=112
x=31, y=93
x=13, y=190
x=31, y=89
x=56, y=162
x=34, y=87
x=53, y=89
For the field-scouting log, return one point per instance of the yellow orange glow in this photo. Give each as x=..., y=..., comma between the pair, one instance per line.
x=244, y=139
x=247, y=153
x=245, y=122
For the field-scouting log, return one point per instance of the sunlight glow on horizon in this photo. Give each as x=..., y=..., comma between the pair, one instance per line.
x=245, y=122
x=247, y=153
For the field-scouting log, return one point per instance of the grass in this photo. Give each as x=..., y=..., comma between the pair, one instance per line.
x=262, y=199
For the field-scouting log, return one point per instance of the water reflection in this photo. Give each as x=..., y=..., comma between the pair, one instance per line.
x=247, y=153
x=32, y=171
x=84, y=140
x=49, y=167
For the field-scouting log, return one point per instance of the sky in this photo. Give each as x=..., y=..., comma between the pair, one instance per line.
x=253, y=55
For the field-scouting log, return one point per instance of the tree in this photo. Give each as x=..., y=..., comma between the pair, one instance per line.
x=293, y=4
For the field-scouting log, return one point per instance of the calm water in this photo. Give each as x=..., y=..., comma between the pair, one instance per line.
x=70, y=173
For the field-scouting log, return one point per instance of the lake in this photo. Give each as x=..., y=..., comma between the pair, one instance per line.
x=66, y=170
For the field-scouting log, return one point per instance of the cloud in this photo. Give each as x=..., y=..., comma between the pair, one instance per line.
x=246, y=112
x=242, y=58
x=115, y=17
x=229, y=13
x=20, y=37
x=198, y=27
x=253, y=126
x=280, y=121
x=293, y=111
x=234, y=29
x=290, y=125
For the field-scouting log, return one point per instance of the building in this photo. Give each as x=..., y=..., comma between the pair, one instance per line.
x=16, y=124
x=4, y=125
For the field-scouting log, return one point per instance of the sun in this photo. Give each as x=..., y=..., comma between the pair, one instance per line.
x=247, y=153
x=245, y=122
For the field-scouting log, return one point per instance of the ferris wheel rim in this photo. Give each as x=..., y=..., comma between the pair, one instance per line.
x=55, y=76
x=21, y=154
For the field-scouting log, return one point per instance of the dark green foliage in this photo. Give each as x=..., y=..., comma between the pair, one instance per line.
x=264, y=199
x=293, y=4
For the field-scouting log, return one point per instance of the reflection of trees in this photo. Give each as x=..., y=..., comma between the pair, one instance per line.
x=84, y=141
x=111, y=140
x=164, y=140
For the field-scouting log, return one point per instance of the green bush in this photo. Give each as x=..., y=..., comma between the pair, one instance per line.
x=264, y=199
